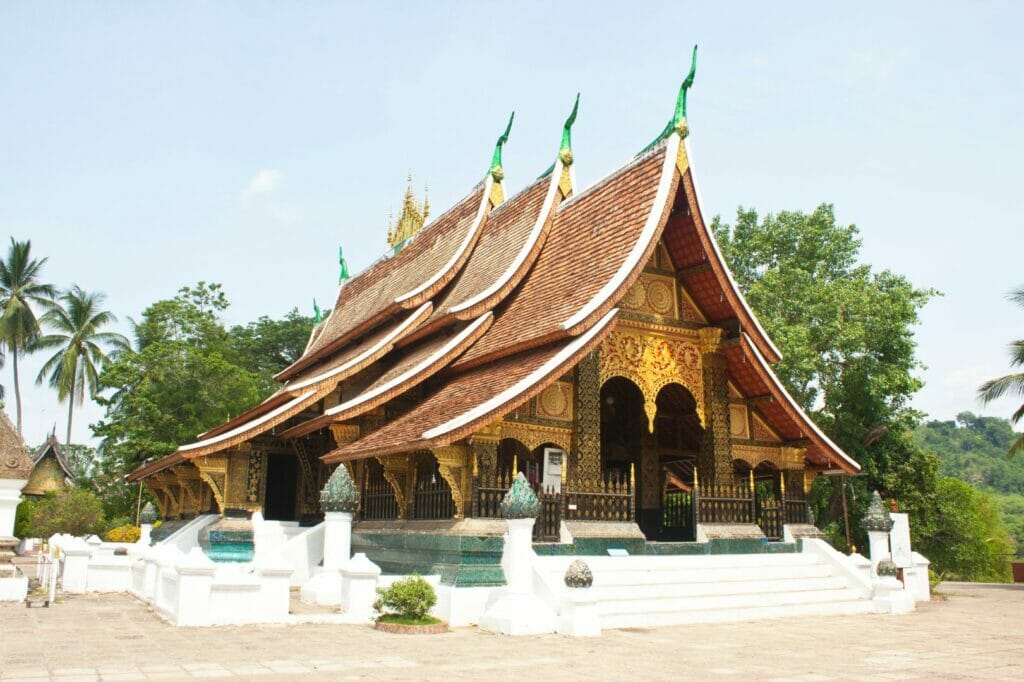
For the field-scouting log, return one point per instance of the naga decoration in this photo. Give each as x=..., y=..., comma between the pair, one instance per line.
x=342, y=267
x=339, y=493
x=578, y=575
x=678, y=123
x=520, y=502
x=496, y=171
x=877, y=517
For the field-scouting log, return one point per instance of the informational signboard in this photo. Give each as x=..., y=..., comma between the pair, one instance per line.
x=899, y=541
x=554, y=460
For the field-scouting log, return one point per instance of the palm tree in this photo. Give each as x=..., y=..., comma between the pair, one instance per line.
x=20, y=288
x=1012, y=384
x=76, y=319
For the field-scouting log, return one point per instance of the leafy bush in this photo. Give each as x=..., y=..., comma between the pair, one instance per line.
x=23, y=518
x=410, y=597
x=126, y=533
x=70, y=510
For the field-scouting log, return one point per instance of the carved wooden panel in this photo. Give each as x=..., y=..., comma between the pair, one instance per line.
x=555, y=402
x=652, y=361
x=738, y=422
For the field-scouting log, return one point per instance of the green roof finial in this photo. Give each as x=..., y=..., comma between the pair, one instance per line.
x=679, y=119
x=565, y=150
x=343, y=265
x=496, y=170
x=678, y=123
x=317, y=316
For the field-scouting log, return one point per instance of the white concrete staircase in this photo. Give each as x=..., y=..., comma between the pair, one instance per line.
x=645, y=591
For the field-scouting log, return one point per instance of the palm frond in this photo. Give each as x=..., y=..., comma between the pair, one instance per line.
x=997, y=388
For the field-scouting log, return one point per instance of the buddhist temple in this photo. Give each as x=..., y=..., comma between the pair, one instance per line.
x=591, y=338
x=50, y=469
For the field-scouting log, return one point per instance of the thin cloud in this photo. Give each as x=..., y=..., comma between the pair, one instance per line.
x=265, y=181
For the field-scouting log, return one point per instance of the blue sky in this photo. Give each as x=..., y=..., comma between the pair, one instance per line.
x=146, y=146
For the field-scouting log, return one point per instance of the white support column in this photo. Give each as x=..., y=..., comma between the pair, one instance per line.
x=359, y=588
x=76, y=567
x=275, y=589
x=324, y=587
x=517, y=610
x=195, y=578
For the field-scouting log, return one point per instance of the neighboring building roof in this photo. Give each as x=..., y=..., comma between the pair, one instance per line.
x=52, y=446
x=15, y=461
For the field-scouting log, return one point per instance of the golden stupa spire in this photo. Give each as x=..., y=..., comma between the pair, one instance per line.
x=410, y=220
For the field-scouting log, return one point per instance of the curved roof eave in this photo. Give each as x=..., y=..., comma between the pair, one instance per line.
x=486, y=411
x=827, y=445
x=412, y=377
x=723, y=273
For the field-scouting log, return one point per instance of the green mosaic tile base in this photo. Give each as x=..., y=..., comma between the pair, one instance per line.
x=460, y=560
x=600, y=547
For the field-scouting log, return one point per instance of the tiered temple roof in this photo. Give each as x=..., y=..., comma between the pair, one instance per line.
x=494, y=300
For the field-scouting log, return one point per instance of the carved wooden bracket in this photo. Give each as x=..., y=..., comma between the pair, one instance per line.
x=396, y=473
x=453, y=462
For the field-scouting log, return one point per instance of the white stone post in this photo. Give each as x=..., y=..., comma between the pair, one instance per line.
x=359, y=588
x=195, y=578
x=10, y=497
x=275, y=589
x=878, y=547
x=339, y=499
x=577, y=609
x=74, y=577
x=145, y=534
x=517, y=610
x=337, y=540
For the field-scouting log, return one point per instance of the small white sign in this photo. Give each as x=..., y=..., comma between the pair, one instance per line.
x=572, y=507
x=614, y=551
x=899, y=541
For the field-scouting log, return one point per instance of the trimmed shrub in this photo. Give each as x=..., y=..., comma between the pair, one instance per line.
x=23, y=516
x=126, y=533
x=410, y=597
x=71, y=510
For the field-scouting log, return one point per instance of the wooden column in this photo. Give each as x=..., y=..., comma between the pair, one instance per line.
x=587, y=462
x=715, y=459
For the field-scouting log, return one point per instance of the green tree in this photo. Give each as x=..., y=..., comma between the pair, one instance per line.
x=76, y=320
x=71, y=510
x=267, y=346
x=183, y=377
x=1011, y=384
x=970, y=541
x=846, y=331
x=20, y=289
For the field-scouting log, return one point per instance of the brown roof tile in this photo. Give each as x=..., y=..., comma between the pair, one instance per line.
x=412, y=367
x=440, y=248
x=508, y=233
x=468, y=401
x=592, y=236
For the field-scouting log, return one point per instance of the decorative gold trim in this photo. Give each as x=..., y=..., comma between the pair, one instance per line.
x=535, y=435
x=344, y=433
x=452, y=463
x=396, y=472
x=653, y=361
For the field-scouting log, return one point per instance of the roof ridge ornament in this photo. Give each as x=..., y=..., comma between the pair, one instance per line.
x=678, y=123
x=317, y=315
x=342, y=267
x=496, y=171
x=565, y=148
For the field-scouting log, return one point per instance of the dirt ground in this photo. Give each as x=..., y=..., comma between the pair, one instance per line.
x=975, y=633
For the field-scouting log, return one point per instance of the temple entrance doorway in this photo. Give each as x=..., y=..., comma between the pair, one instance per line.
x=678, y=434
x=282, y=482
x=624, y=434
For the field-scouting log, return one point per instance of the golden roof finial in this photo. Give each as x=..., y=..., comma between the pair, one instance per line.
x=410, y=221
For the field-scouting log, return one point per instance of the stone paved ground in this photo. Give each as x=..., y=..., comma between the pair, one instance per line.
x=976, y=634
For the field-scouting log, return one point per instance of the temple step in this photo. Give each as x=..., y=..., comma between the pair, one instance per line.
x=645, y=591
x=781, y=610
x=665, y=591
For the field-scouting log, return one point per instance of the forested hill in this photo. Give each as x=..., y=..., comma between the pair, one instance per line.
x=973, y=449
